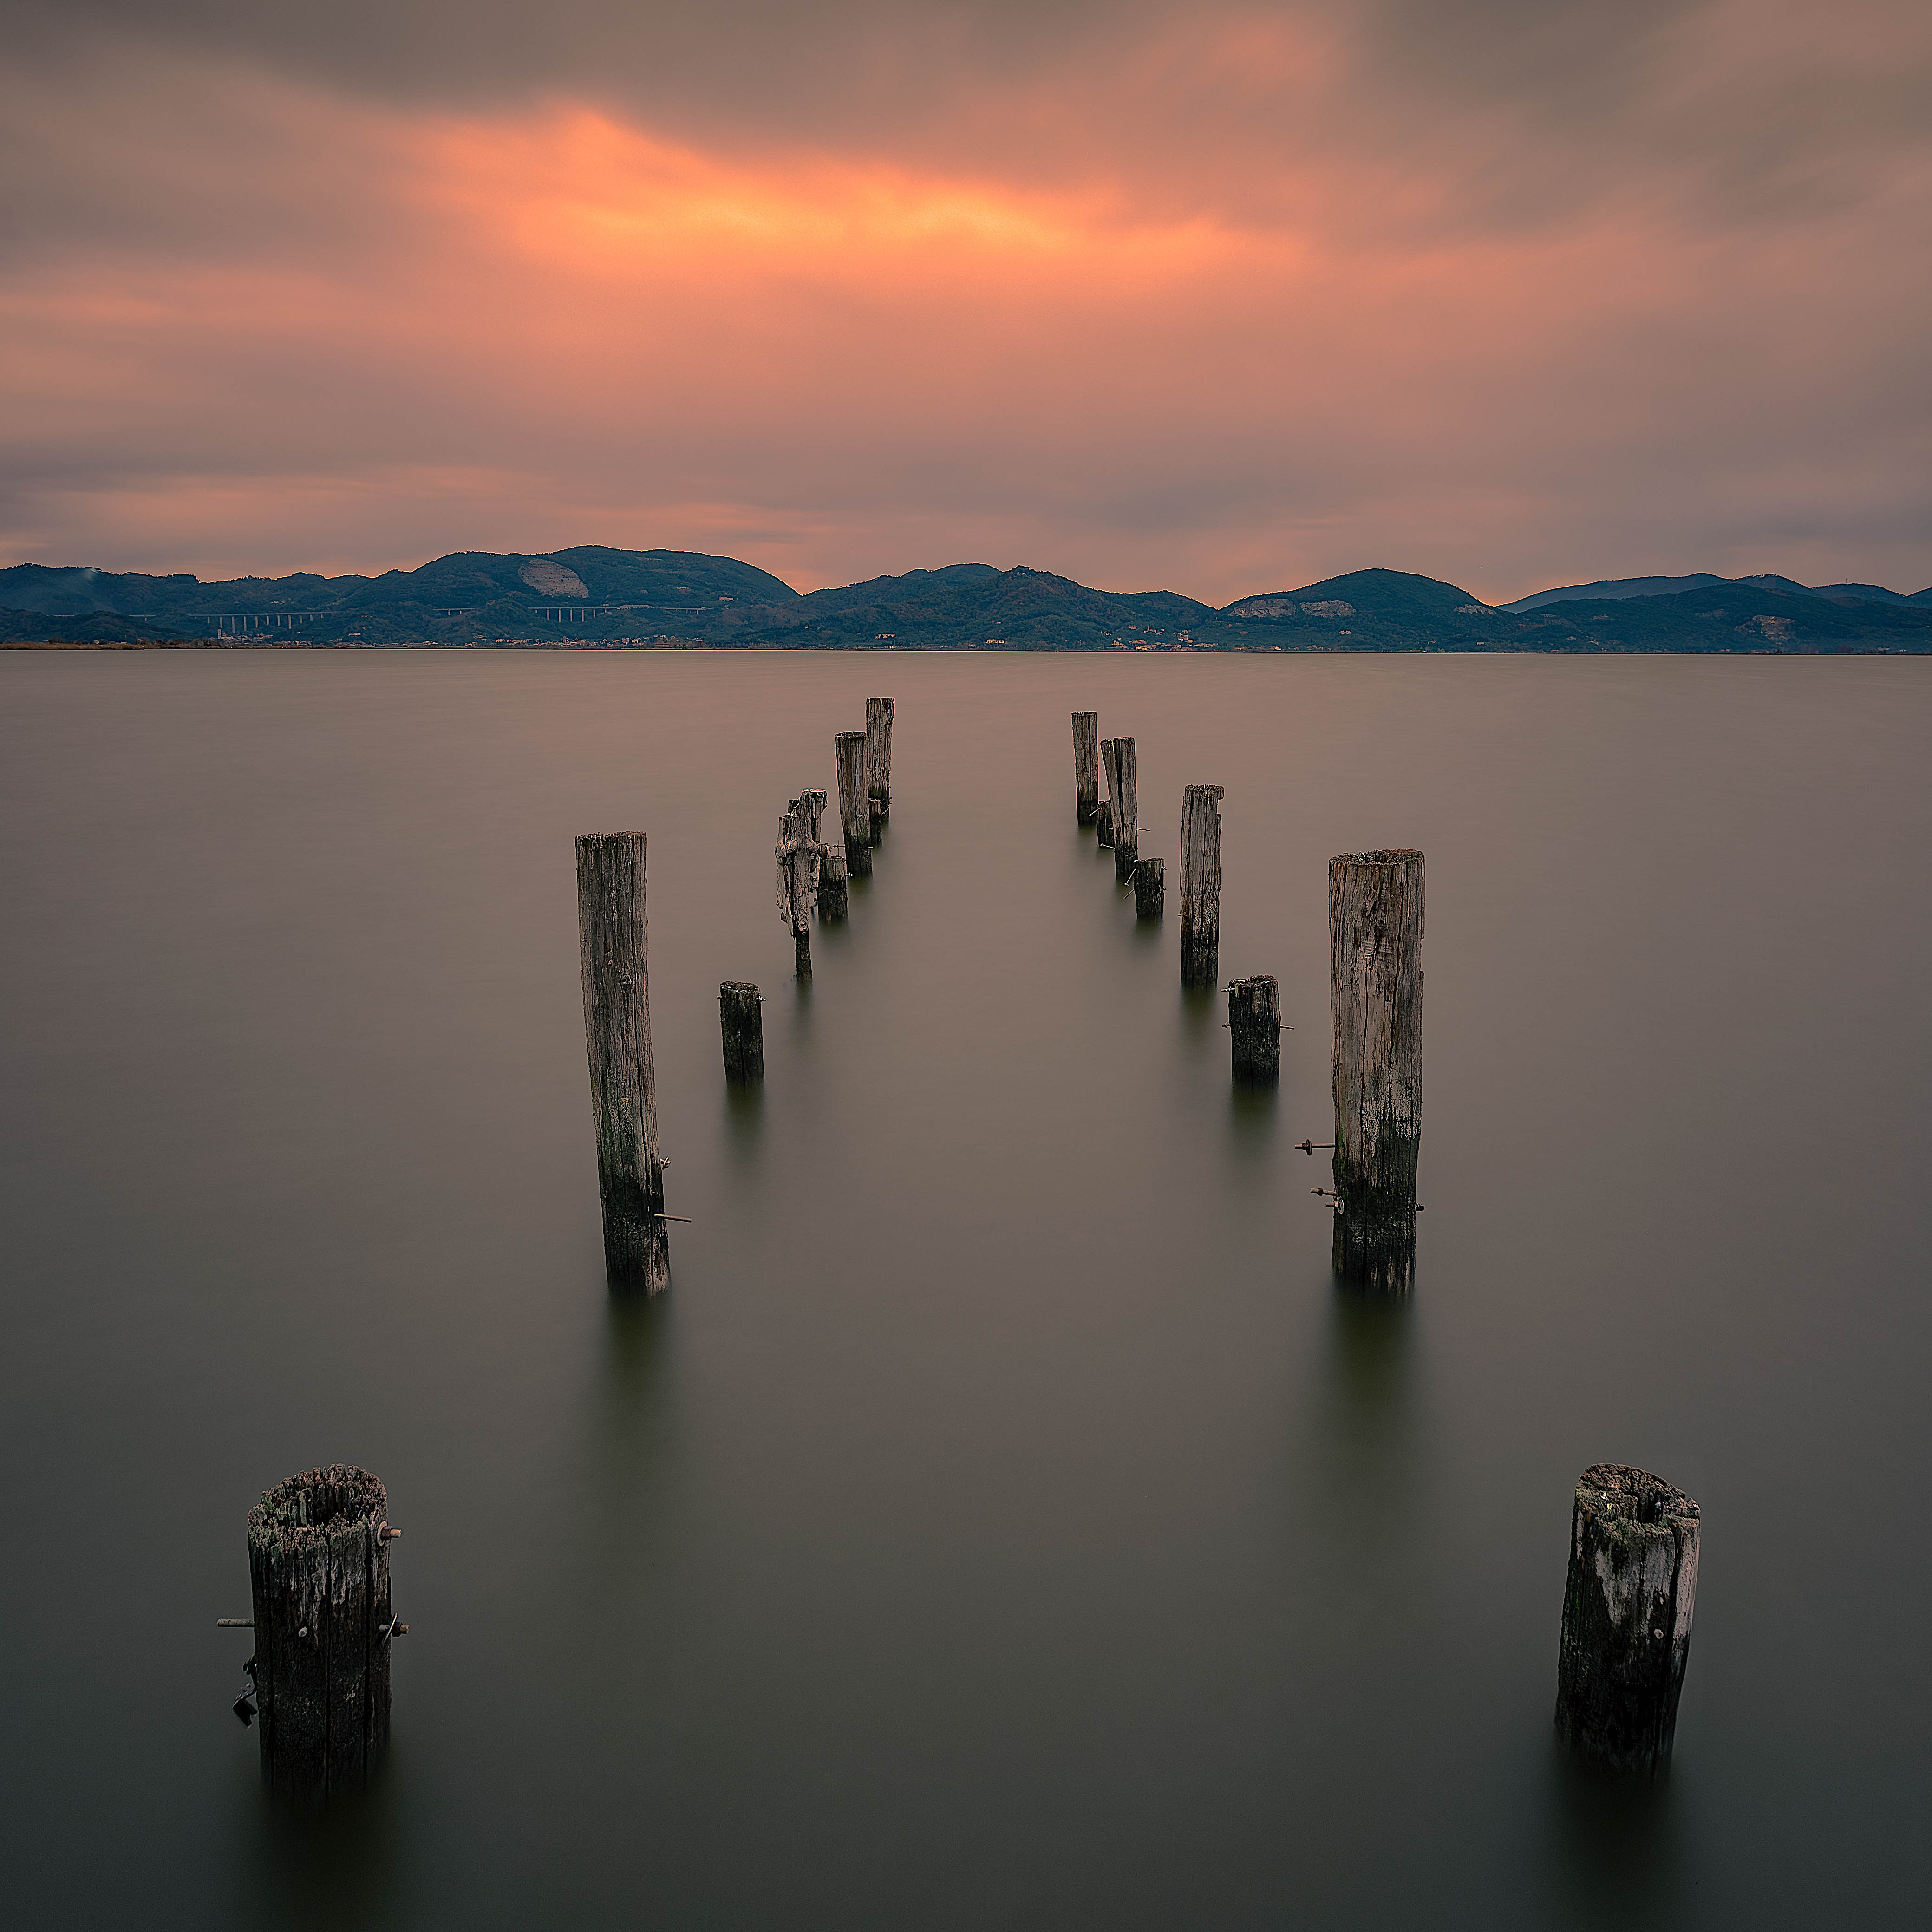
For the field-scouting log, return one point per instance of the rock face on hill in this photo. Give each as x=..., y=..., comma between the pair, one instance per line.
x=593, y=596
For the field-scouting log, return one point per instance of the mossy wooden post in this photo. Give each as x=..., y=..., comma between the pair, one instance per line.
x=1126, y=828
x=1150, y=887
x=1254, y=1028
x=1626, y=1608
x=742, y=1021
x=1086, y=767
x=796, y=852
x=1105, y=820
x=1200, y=885
x=1375, y=942
x=319, y=1575
x=879, y=760
x=617, y=1032
x=855, y=808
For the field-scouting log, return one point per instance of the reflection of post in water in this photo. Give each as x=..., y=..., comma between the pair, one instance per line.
x=1621, y=1857
x=1367, y=1420
x=1375, y=937
x=633, y=1420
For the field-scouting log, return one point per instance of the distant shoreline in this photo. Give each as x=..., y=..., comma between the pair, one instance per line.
x=1324, y=650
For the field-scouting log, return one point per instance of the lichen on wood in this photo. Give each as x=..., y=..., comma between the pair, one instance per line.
x=318, y=1578
x=1628, y=1601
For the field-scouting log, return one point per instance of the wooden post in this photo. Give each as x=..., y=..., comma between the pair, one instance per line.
x=1626, y=1609
x=1105, y=819
x=1125, y=827
x=879, y=760
x=617, y=1032
x=1374, y=944
x=1254, y=1027
x=855, y=810
x=1200, y=884
x=797, y=854
x=831, y=894
x=1086, y=767
x=319, y=1575
x=741, y=1017
x=1150, y=887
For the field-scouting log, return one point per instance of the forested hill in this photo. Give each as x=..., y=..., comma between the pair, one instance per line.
x=595, y=596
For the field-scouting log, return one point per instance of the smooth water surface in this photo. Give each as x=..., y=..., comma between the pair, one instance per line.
x=1003, y=1521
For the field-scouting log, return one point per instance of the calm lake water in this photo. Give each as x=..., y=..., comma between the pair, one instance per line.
x=1003, y=1521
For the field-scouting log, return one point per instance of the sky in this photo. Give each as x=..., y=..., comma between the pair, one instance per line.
x=1215, y=298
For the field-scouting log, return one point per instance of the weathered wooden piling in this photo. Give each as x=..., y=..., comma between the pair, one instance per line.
x=879, y=760
x=1126, y=829
x=319, y=1577
x=855, y=808
x=1254, y=1027
x=1200, y=884
x=1375, y=942
x=617, y=1034
x=1627, y=1606
x=1150, y=887
x=1104, y=821
x=832, y=897
x=797, y=853
x=741, y=1019
x=1086, y=767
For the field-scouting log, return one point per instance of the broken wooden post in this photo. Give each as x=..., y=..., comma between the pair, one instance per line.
x=319, y=1577
x=1150, y=887
x=1125, y=827
x=741, y=1017
x=832, y=893
x=855, y=809
x=1200, y=884
x=1375, y=942
x=1626, y=1609
x=1104, y=821
x=1086, y=767
x=1254, y=1027
x=797, y=854
x=617, y=1032
x=879, y=760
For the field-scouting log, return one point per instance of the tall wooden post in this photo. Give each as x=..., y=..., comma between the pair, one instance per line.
x=741, y=1019
x=1105, y=819
x=319, y=1577
x=855, y=808
x=1086, y=767
x=1254, y=1028
x=617, y=1032
x=1627, y=1606
x=879, y=760
x=1126, y=831
x=1374, y=945
x=797, y=854
x=1150, y=887
x=1200, y=884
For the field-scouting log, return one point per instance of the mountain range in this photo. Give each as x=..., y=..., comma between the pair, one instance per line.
x=595, y=596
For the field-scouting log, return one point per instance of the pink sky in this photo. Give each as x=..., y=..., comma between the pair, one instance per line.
x=1217, y=300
